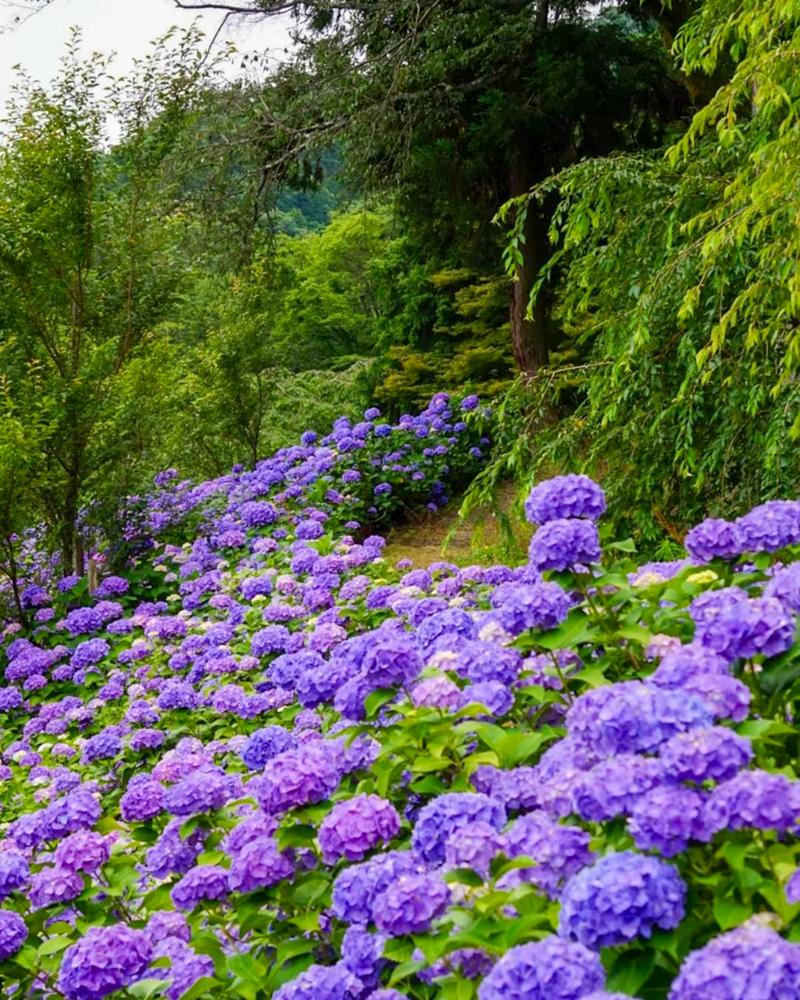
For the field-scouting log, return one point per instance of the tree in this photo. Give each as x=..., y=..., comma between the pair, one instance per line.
x=465, y=102
x=88, y=241
x=679, y=279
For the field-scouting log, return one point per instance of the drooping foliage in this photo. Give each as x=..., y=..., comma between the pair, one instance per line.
x=676, y=280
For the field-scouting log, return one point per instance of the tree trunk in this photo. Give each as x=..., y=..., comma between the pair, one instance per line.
x=529, y=332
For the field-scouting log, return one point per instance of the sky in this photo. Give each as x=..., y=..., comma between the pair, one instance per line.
x=122, y=26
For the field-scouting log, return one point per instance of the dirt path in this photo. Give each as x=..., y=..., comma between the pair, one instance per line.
x=421, y=540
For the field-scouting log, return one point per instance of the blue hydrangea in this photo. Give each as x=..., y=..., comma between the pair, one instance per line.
x=714, y=538
x=410, y=903
x=356, y=826
x=550, y=969
x=104, y=960
x=322, y=982
x=714, y=754
x=13, y=933
x=567, y=496
x=565, y=544
x=750, y=961
x=632, y=717
x=438, y=820
x=667, y=818
x=264, y=744
x=620, y=898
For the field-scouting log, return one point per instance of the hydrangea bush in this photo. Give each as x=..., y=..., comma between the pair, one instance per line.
x=266, y=763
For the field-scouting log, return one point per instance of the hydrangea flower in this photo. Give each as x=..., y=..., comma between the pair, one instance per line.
x=410, y=903
x=299, y=777
x=620, y=898
x=13, y=933
x=666, y=818
x=612, y=787
x=714, y=538
x=104, y=960
x=539, y=606
x=357, y=887
x=322, y=982
x=559, y=851
x=201, y=791
x=714, y=754
x=438, y=820
x=567, y=496
x=550, y=969
x=564, y=544
x=473, y=846
x=200, y=883
x=258, y=865
x=14, y=873
x=756, y=799
x=750, y=961
x=632, y=717
x=356, y=826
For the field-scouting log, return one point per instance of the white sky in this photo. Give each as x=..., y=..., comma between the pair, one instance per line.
x=122, y=26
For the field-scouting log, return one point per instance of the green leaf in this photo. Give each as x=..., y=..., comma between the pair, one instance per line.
x=53, y=945
x=630, y=971
x=147, y=988
x=202, y=987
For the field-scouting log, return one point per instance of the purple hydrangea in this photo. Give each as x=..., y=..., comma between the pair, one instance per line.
x=714, y=538
x=83, y=852
x=483, y=661
x=632, y=717
x=436, y=692
x=564, y=544
x=620, y=898
x=770, y=526
x=142, y=801
x=550, y=969
x=539, y=606
x=410, y=903
x=473, y=846
x=569, y=496
x=322, y=982
x=13, y=933
x=54, y=884
x=299, y=777
x=201, y=791
x=559, y=852
x=750, y=961
x=358, y=886
x=259, y=864
x=104, y=960
x=356, y=826
x=361, y=954
x=756, y=799
x=494, y=695
x=667, y=818
x=611, y=788
x=714, y=754
x=14, y=873
x=200, y=883
x=438, y=820
x=738, y=627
